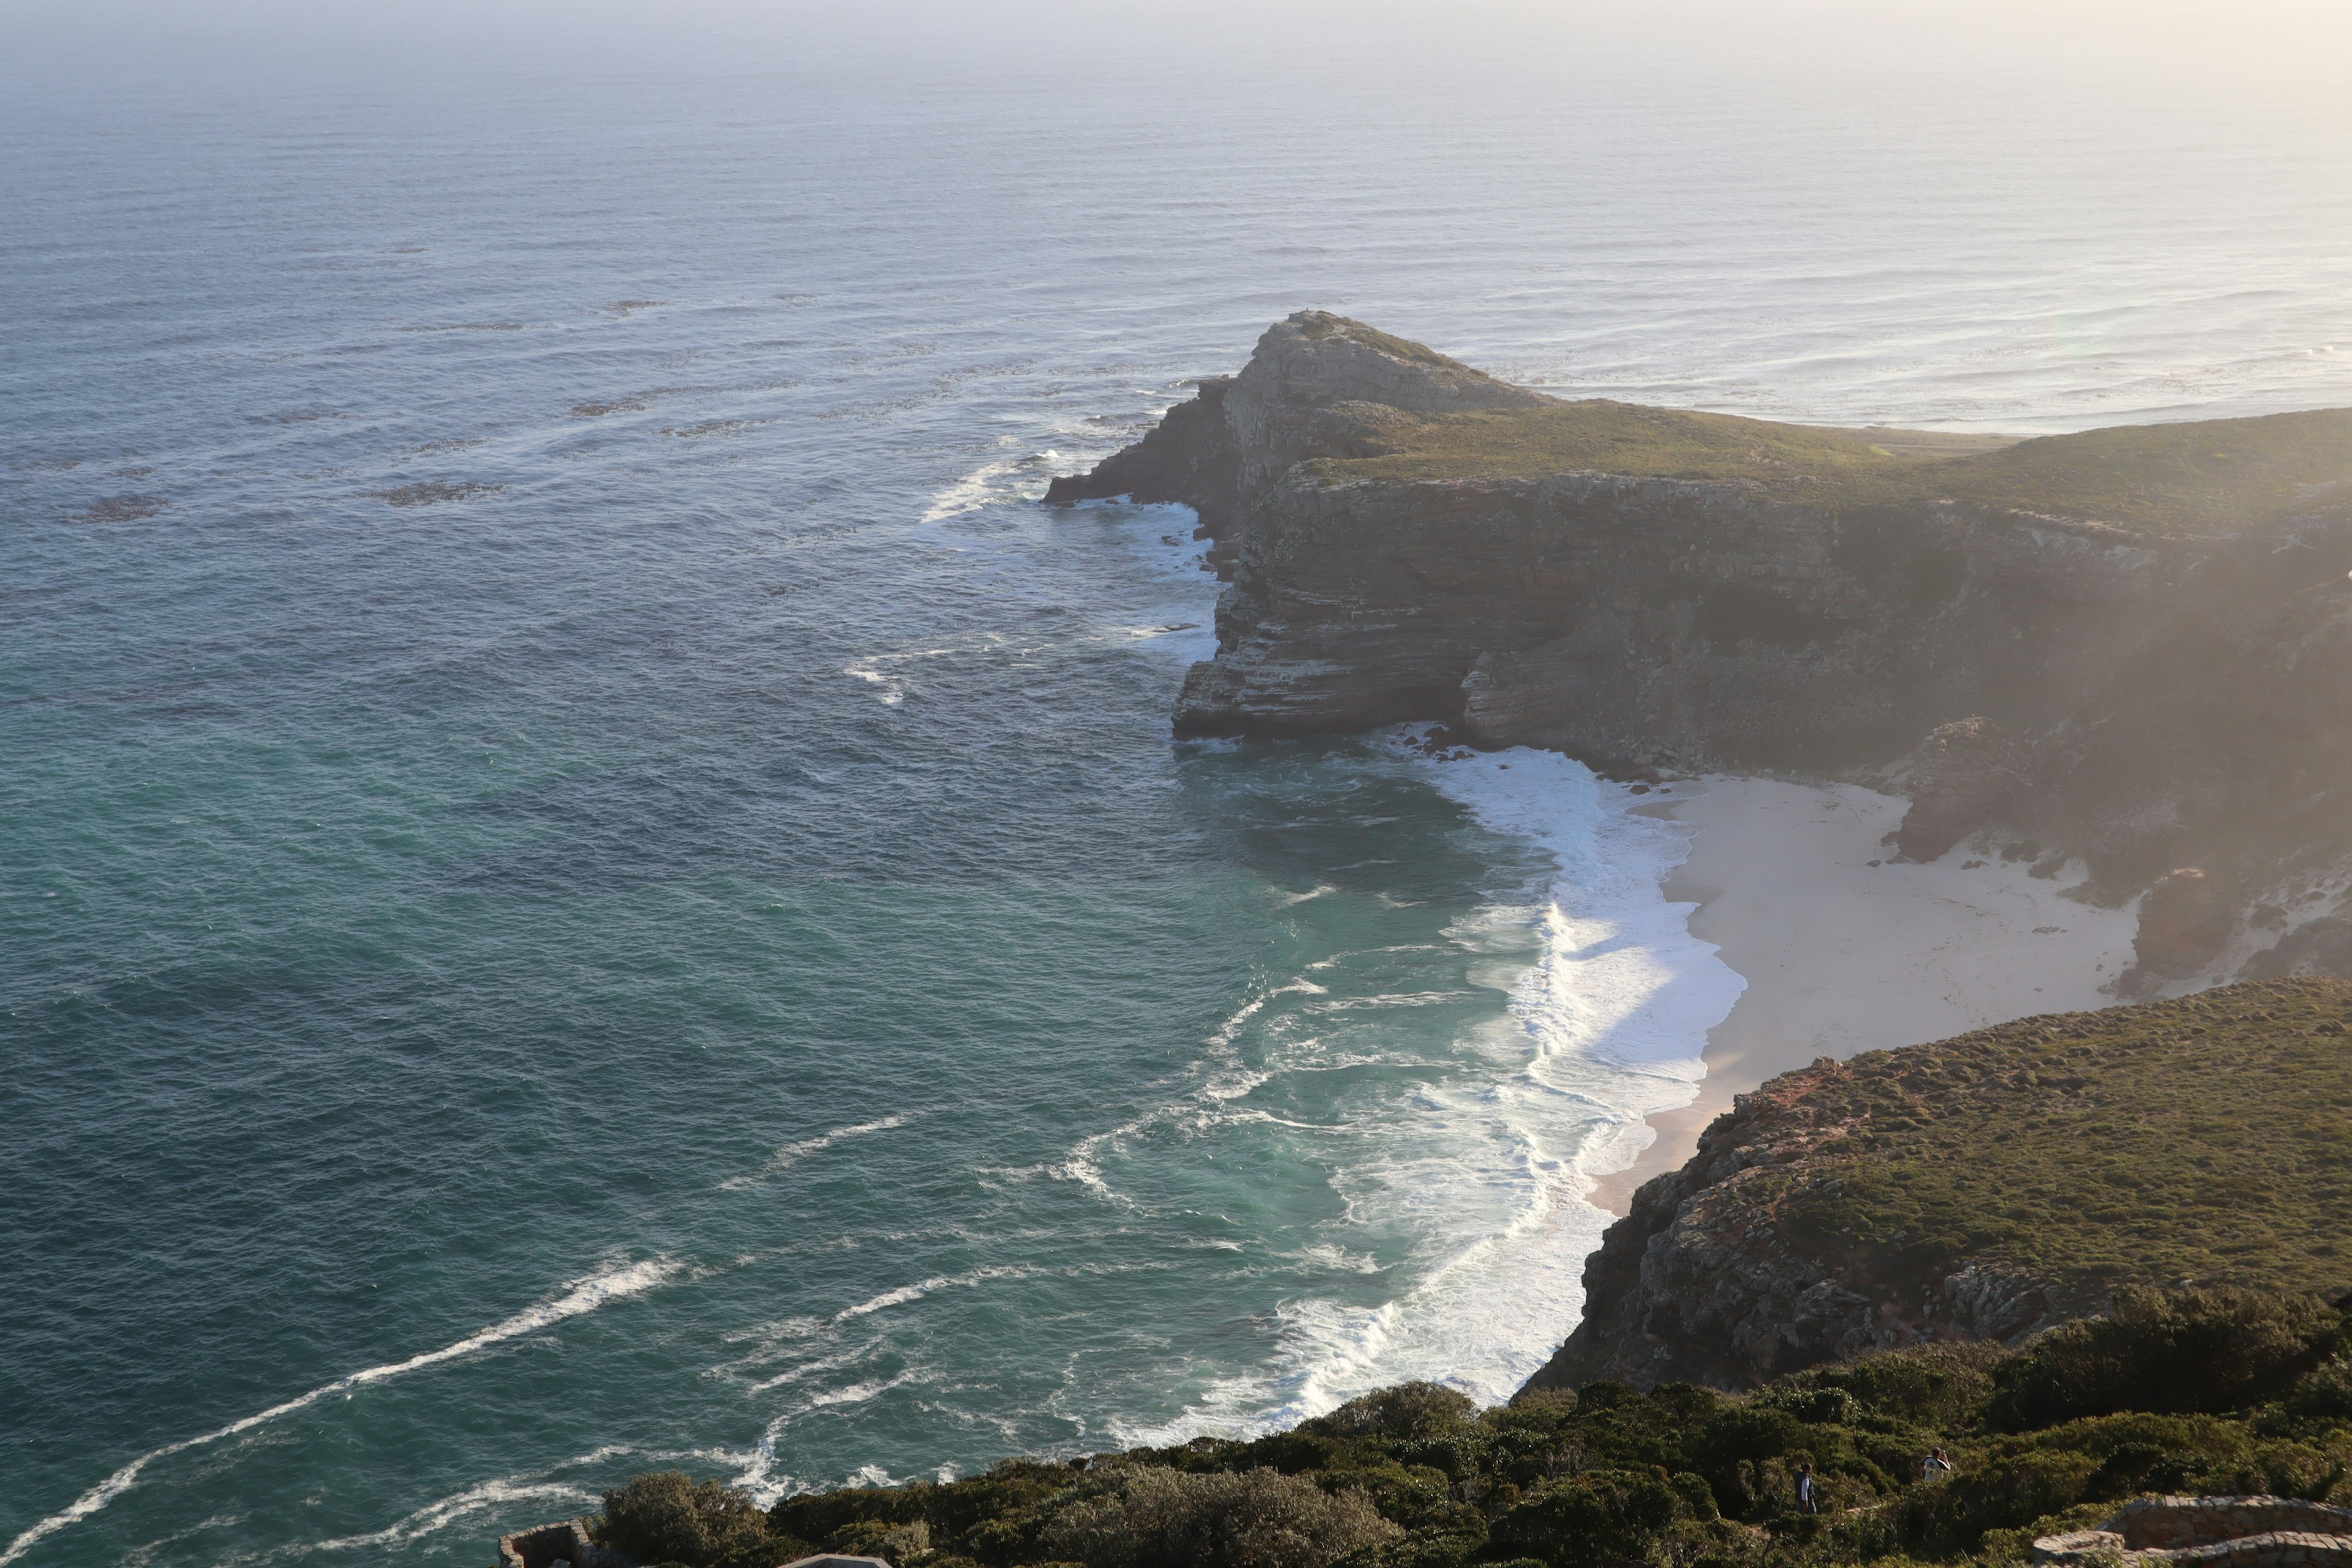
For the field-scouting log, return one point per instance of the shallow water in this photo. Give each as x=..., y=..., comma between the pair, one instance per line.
x=585, y=882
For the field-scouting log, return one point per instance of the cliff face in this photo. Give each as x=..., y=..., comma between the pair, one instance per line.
x=1985, y=1187
x=1239, y=435
x=2149, y=696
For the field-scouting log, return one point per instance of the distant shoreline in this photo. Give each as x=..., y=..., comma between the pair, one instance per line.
x=1841, y=956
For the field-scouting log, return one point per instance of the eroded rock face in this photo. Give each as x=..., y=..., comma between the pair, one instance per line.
x=1189, y=456
x=1957, y=1190
x=1961, y=775
x=1238, y=436
x=1614, y=618
x=1315, y=359
x=2138, y=703
x=2184, y=924
x=1699, y=1283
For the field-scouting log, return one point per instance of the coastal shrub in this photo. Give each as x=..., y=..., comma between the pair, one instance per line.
x=2325, y=1392
x=896, y=1544
x=1819, y=1405
x=2213, y=476
x=1585, y=1521
x=2004, y=1493
x=665, y=1517
x=1150, y=1517
x=1411, y=1412
x=2212, y=1392
x=820, y=1516
x=2194, y=1350
x=1927, y=1383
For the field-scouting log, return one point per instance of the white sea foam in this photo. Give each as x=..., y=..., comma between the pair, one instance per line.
x=1607, y=1026
x=984, y=486
x=1613, y=1015
x=475, y=1499
x=791, y=1155
x=906, y=1293
x=582, y=1295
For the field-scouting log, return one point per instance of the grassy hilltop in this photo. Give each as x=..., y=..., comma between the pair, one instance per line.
x=1980, y=1185
x=2204, y=478
x=2204, y=1140
x=2208, y=1139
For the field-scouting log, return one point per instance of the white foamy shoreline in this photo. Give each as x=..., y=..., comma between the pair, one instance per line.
x=1713, y=933
x=1845, y=951
x=1614, y=1014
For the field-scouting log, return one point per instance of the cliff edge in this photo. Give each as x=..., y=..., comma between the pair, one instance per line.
x=2124, y=648
x=1986, y=1187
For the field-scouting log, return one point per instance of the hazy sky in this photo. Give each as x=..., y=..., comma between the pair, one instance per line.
x=2292, y=37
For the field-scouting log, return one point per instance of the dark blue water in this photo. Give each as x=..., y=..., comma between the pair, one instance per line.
x=585, y=883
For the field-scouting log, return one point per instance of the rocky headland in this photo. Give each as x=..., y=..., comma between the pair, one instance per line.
x=1985, y=1188
x=2125, y=648
x=2076, y=1257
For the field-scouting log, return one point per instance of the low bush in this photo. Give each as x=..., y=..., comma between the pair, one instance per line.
x=2197, y=1350
x=2216, y=1392
x=665, y=1517
x=1148, y=1516
x=1586, y=1520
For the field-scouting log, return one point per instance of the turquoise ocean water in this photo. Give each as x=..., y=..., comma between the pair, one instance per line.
x=586, y=883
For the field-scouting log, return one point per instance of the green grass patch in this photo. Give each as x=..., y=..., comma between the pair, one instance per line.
x=2209, y=476
x=2207, y=1140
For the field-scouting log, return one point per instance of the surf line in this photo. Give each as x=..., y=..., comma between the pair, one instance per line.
x=582, y=1295
x=791, y=1155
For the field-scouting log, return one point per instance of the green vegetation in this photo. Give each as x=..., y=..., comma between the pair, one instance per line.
x=2209, y=476
x=2207, y=1140
x=2203, y=1391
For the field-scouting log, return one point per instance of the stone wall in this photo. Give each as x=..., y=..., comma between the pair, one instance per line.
x=2211, y=1532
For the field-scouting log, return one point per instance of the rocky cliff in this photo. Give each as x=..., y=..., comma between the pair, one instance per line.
x=1313, y=378
x=1985, y=1187
x=2127, y=646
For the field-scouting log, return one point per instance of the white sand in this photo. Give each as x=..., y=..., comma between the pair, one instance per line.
x=1840, y=956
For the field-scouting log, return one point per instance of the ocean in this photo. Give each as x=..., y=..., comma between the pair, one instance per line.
x=588, y=883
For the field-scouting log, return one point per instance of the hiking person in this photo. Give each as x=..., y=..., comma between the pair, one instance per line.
x=1935, y=1467
x=1805, y=1502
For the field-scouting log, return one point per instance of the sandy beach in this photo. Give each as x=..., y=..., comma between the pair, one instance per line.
x=1844, y=951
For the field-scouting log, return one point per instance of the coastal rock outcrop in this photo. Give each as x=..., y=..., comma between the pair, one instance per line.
x=2184, y=923
x=2128, y=647
x=1237, y=435
x=1962, y=773
x=1983, y=1188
